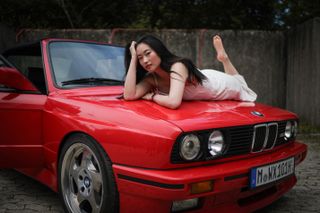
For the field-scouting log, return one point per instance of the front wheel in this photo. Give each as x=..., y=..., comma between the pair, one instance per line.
x=86, y=180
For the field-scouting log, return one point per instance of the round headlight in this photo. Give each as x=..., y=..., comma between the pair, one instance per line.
x=190, y=147
x=216, y=143
x=288, y=130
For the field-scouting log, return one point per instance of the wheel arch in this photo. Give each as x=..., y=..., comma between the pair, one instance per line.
x=70, y=134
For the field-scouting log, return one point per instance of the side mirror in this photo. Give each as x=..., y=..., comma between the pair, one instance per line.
x=12, y=78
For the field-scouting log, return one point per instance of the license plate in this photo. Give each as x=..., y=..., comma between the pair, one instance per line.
x=269, y=173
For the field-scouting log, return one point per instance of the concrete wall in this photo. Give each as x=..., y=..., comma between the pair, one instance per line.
x=303, y=71
x=28, y=35
x=258, y=55
x=282, y=67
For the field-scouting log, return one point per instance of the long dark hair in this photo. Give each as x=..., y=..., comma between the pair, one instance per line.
x=167, y=60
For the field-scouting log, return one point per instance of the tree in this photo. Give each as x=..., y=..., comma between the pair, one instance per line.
x=187, y=14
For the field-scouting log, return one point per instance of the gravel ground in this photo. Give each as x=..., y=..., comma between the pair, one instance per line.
x=304, y=197
x=19, y=193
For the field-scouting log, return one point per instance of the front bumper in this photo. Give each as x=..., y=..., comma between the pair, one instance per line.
x=145, y=190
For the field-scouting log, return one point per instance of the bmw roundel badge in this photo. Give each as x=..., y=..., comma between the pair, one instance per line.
x=256, y=113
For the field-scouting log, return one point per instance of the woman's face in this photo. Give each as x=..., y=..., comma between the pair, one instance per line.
x=147, y=57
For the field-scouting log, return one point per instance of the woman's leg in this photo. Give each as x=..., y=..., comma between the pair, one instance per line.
x=223, y=57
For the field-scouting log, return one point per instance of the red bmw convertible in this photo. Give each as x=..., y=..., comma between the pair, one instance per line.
x=64, y=123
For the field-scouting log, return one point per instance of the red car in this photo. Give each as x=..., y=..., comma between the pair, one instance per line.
x=64, y=123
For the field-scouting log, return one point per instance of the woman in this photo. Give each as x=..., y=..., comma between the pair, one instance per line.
x=155, y=74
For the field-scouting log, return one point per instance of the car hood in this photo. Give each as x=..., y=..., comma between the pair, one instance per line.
x=191, y=115
x=201, y=115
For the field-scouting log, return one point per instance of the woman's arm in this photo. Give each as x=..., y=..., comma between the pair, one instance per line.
x=177, y=83
x=132, y=90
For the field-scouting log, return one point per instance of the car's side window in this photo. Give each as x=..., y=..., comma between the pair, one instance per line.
x=36, y=76
x=31, y=67
x=1, y=63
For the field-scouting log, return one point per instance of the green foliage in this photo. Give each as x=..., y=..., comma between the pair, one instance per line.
x=187, y=14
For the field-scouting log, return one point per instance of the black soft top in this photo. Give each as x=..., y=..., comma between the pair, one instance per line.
x=32, y=48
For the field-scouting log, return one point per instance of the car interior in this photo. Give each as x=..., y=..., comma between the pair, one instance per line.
x=27, y=59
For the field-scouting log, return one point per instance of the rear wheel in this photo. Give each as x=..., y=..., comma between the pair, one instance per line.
x=86, y=180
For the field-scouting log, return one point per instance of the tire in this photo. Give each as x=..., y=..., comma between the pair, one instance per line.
x=85, y=177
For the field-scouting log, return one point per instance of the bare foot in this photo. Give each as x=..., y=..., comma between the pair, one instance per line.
x=221, y=53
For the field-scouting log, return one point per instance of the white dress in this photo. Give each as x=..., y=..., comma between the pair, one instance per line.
x=219, y=86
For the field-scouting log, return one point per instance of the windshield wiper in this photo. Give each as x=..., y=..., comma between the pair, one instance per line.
x=90, y=80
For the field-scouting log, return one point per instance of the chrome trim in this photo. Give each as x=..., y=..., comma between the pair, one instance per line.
x=267, y=127
x=254, y=137
x=275, y=138
x=256, y=113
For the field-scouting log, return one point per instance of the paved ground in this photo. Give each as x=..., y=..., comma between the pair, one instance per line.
x=304, y=197
x=19, y=193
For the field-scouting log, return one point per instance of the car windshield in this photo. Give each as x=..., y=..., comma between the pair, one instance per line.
x=78, y=64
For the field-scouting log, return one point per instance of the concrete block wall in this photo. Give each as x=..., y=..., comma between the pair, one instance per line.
x=282, y=67
x=258, y=55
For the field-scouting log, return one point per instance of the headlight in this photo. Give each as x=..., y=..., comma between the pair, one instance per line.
x=288, y=130
x=189, y=147
x=216, y=143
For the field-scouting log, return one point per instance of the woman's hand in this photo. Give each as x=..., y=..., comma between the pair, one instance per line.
x=149, y=96
x=178, y=78
x=133, y=49
x=132, y=90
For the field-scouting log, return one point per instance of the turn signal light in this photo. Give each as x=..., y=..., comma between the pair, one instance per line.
x=201, y=187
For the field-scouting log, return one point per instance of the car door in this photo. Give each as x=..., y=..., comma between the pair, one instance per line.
x=21, y=114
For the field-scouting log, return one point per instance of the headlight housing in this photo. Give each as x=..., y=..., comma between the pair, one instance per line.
x=216, y=143
x=203, y=145
x=288, y=130
x=210, y=144
x=291, y=130
x=190, y=147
